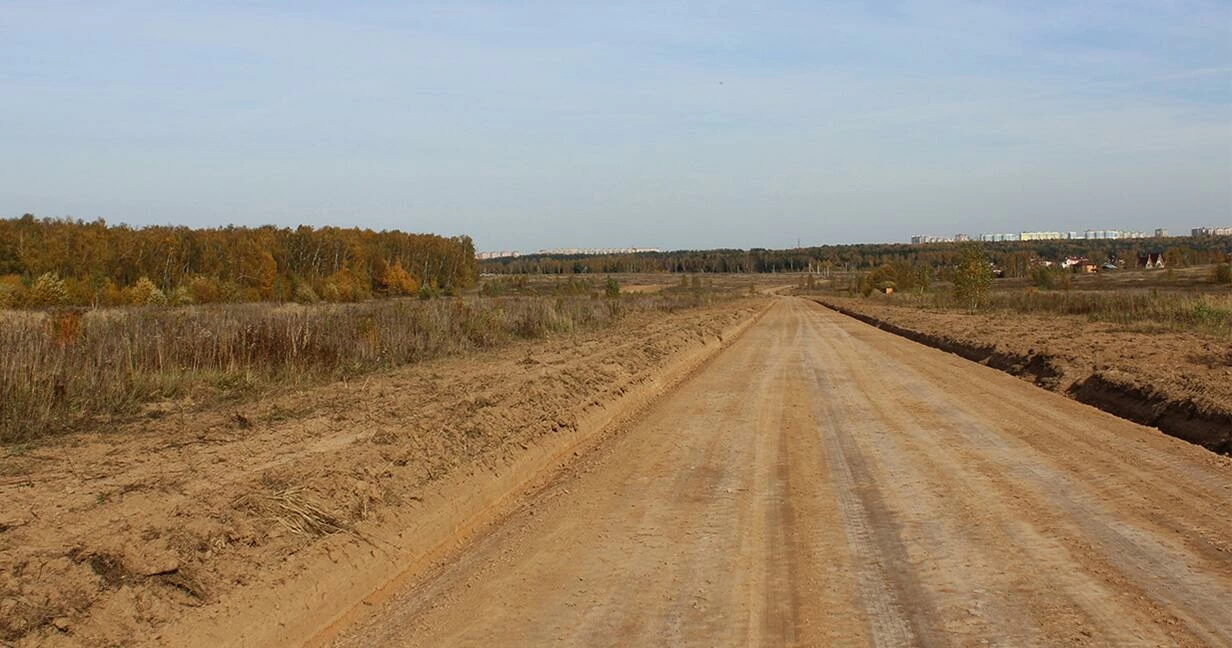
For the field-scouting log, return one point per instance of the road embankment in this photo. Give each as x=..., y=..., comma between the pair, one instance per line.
x=1178, y=383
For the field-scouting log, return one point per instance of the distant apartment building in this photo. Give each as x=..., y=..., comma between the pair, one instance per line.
x=1105, y=234
x=1039, y=236
x=597, y=251
x=484, y=256
x=1123, y=234
x=920, y=239
x=1161, y=232
x=1212, y=231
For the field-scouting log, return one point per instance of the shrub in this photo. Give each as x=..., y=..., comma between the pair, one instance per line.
x=304, y=294
x=47, y=290
x=204, y=290
x=110, y=294
x=1223, y=273
x=611, y=288
x=143, y=293
x=492, y=288
x=181, y=296
x=1043, y=277
x=865, y=284
x=12, y=291
x=344, y=286
x=395, y=280
x=972, y=277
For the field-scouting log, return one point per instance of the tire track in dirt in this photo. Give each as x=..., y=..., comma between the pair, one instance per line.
x=966, y=538
x=882, y=569
x=697, y=525
x=1126, y=554
x=825, y=483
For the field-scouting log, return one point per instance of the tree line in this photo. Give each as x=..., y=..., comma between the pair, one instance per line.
x=1014, y=258
x=70, y=262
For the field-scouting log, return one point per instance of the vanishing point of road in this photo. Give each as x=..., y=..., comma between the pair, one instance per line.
x=824, y=483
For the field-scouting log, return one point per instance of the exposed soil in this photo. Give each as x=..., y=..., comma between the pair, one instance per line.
x=825, y=483
x=767, y=472
x=1180, y=383
x=262, y=522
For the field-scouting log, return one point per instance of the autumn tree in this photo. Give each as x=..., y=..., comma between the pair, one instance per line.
x=972, y=276
x=97, y=263
x=395, y=280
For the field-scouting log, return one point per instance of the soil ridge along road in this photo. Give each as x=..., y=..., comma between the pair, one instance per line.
x=1157, y=379
x=191, y=528
x=825, y=483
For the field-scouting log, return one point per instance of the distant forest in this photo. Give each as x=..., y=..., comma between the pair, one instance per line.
x=69, y=262
x=1013, y=257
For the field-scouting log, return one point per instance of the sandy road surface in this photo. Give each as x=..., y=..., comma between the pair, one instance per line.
x=826, y=483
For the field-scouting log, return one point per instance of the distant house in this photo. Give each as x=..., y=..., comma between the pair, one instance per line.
x=1073, y=262
x=1151, y=260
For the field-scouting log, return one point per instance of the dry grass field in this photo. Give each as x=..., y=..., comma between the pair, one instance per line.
x=1187, y=299
x=73, y=369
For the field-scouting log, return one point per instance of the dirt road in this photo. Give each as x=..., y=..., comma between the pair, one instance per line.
x=825, y=483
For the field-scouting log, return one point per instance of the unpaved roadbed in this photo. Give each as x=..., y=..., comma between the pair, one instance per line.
x=254, y=522
x=824, y=483
x=1180, y=383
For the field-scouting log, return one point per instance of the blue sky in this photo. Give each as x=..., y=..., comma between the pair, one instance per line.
x=543, y=124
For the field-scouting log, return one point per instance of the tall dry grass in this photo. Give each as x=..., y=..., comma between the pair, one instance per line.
x=72, y=369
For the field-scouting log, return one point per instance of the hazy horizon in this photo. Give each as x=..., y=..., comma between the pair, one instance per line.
x=647, y=125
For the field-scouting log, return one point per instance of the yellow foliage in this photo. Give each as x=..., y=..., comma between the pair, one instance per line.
x=48, y=290
x=266, y=275
x=395, y=280
x=144, y=292
x=342, y=286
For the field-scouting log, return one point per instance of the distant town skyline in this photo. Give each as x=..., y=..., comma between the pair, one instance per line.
x=576, y=124
x=918, y=239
